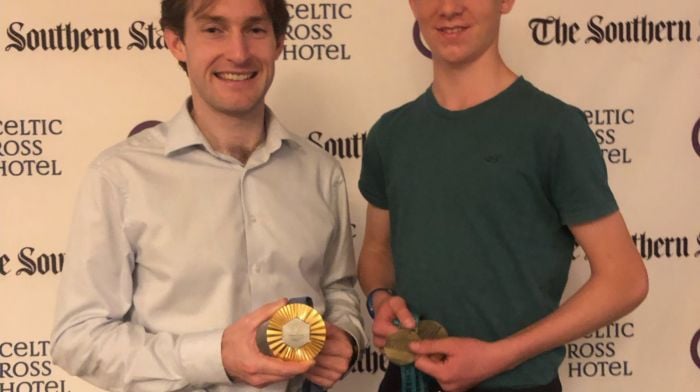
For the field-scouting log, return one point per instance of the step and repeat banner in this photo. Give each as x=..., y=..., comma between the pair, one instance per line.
x=79, y=75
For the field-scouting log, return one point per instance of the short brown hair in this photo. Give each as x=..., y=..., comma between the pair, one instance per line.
x=173, y=13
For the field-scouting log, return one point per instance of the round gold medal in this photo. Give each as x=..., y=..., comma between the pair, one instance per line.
x=396, y=347
x=429, y=329
x=296, y=332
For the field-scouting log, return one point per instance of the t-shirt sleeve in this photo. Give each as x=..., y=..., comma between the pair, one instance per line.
x=372, y=182
x=579, y=180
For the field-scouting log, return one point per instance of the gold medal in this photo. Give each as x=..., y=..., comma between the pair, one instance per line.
x=429, y=329
x=396, y=348
x=296, y=332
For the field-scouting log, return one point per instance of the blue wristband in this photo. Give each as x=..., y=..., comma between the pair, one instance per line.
x=370, y=305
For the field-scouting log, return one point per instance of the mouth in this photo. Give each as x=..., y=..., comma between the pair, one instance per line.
x=452, y=30
x=235, y=76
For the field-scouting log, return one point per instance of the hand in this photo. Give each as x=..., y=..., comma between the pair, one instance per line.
x=242, y=359
x=334, y=360
x=465, y=362
x=389, y=308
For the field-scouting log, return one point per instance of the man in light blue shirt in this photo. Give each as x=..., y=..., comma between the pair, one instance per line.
x=188, y=236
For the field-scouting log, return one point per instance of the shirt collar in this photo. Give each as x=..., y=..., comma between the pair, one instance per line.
x=182, y=132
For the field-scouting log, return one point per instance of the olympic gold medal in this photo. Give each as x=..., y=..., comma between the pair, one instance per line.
x=396, y=347
x=429, y=329
x=296, y=332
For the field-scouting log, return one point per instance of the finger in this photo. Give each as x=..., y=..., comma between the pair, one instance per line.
x=325, y=373
x=277, y=367
x=379, y=342
x=262, y=380
x=338, y=364
x=321, y=381
x=384, y=328
x=400, y=309
x=263, y=313
x=431, y=346
x=429, y=367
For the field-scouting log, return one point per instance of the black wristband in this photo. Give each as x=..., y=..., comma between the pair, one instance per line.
x=370, y=305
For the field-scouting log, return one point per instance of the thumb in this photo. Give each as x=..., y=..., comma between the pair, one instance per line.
x=430, y=346
x=263, y=313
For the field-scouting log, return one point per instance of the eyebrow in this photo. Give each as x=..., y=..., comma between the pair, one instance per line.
x=205, y=18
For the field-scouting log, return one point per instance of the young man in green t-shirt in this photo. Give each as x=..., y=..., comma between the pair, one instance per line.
x=477, y=192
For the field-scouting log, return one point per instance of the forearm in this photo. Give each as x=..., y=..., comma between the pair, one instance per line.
x=123, y=356
x=375, y=269
x=618, y=283
x=596, y=304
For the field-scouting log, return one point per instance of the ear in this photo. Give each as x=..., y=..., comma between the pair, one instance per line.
x=412, y=3
x=175, y=45
x=507, y=6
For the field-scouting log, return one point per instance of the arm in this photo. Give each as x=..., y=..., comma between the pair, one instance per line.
x=345, y=331
x=93, y=336
x=376, y=270
x=618, y=283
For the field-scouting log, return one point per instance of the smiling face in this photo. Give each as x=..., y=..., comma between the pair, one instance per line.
x=460, y=31
x=230, y=49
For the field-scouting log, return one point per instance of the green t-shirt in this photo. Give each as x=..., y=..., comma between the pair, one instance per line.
x=479, y=203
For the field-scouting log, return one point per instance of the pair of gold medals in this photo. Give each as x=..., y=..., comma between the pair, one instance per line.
x=297, y=332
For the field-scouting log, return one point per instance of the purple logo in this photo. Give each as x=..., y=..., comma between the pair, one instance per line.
x=695, y=349
x=143, y=126
x=696, y=137
x=419, y=42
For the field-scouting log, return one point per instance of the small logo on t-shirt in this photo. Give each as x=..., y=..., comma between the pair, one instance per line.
x=696, y=137
x=493, y=158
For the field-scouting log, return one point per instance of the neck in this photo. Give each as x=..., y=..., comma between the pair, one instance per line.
x=464, y=85
x=234, y=135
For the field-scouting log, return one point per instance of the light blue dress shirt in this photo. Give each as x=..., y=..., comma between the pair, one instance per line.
x=171, y=242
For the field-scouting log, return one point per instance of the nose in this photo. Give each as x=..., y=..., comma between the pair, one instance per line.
x=238, y=50
x=452, y=8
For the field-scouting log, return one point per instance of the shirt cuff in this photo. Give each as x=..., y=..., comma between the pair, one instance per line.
x=200, y=356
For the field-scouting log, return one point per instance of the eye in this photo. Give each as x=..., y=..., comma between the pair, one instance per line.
x=212, y=30
x=258, y=31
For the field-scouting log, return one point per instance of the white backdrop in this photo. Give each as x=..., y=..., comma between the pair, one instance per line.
x=633, y=66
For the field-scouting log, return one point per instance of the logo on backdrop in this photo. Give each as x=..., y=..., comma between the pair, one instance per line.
x=418, y=40
x=668, y=248
x=28, y=359
x=600, y=30
x=606, y=124
x=695, y=349
x=29, y=261
x=23, y=149
x=370, y=361
x=597, y=354
x=351, y=147
x=139, y=35
x=311, y=34
x=696, y=138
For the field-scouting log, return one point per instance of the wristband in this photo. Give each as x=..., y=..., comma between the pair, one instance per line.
x=370, y=305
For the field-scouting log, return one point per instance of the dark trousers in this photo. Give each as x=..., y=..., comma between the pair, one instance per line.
x=392, y=383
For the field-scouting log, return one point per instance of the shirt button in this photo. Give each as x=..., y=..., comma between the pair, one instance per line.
x=256, y=268
x=253, y=219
